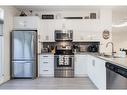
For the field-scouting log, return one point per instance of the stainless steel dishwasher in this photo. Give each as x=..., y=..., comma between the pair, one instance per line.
x=116, y=76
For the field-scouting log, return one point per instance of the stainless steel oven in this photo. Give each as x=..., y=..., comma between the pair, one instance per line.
x=63, y=35
x=64, y=61
x=64, y=66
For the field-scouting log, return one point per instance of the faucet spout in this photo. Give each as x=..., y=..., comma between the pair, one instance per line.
x=112, y=47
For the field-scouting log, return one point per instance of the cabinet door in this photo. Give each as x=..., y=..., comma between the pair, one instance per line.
x=80, y=65
x=29, y=22
x=87, y=30
x=100, y=73
x=47, y=29
x=97, y=72
x=19, y=23
x=91, y=68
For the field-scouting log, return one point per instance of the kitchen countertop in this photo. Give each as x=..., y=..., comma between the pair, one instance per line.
x=122, y=62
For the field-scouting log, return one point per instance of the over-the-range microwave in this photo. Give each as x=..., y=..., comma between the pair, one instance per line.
x=63, y=35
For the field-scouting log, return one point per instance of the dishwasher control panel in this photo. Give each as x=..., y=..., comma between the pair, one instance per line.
x=117, y=69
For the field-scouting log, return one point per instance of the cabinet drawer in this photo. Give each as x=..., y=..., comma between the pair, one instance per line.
x=43, y=66
x=46, y=62
x=47, y=65
x=46, y=58
x=46, y=71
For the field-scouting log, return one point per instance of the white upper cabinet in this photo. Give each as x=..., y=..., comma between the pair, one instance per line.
x=26, y=22
x=47, y=30
x=83, y=30
x=86, y=30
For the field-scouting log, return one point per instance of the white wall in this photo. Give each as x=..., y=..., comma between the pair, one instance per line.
x=106, y=23
x=119, y=33
x=9, y=12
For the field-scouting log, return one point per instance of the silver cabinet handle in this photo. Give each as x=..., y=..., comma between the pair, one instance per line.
x=45, y=62
x=75, y=59
x=93, y=62
x=24, y=25
x=25, y=21
x=45, y=70
x=45, y=56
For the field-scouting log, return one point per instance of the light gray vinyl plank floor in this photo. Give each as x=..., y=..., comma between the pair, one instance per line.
x=49, y=83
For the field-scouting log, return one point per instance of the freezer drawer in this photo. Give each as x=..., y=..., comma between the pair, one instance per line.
x=23, y=69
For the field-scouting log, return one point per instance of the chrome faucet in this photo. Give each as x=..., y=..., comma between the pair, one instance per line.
x=112, y=47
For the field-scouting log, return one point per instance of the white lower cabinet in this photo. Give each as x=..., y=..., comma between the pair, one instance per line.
x=90, y=67
x=84, y=65
x=47, y=65
x=97, y=71
x=80, y=65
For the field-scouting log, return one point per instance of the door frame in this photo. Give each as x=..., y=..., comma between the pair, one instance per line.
x=2, y=51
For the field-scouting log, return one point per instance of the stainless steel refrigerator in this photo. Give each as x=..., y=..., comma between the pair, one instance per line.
x=24, y=54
